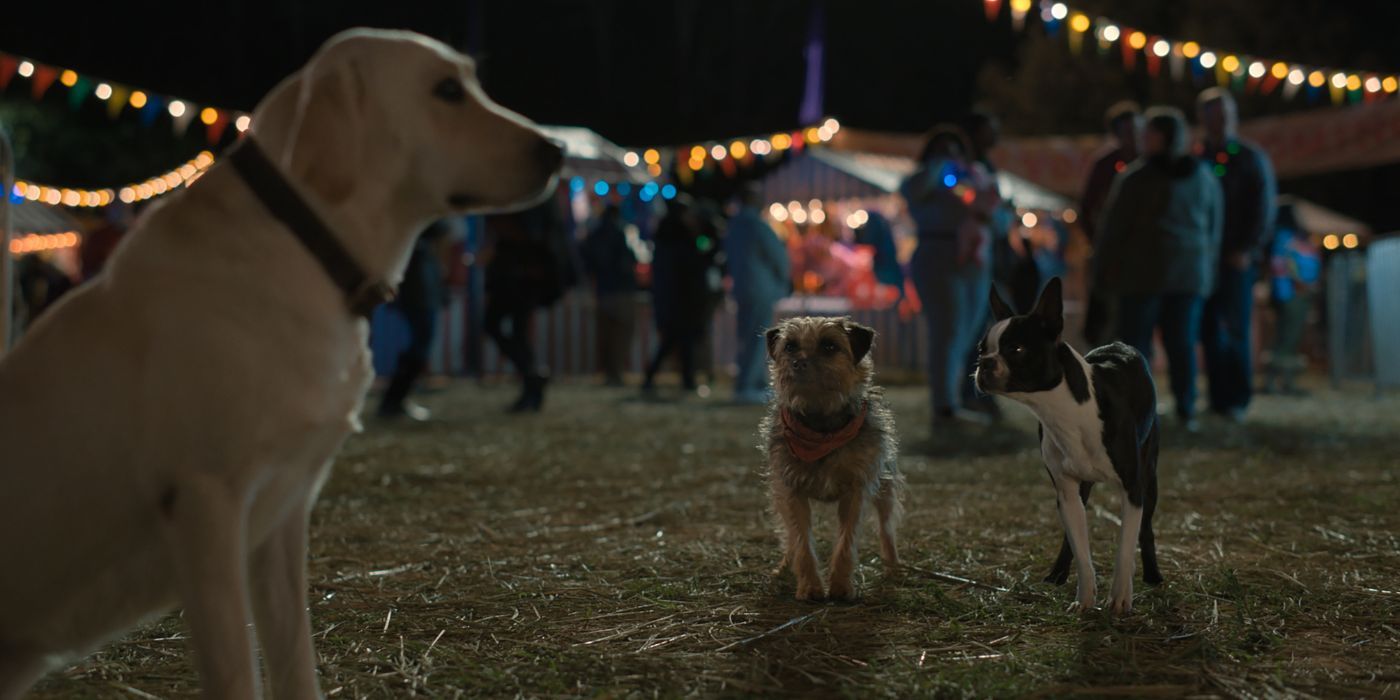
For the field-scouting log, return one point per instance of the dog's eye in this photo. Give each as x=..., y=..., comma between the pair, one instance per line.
x=828, y=346
x=450, y=90
x=1017, y=349
x=791, y=346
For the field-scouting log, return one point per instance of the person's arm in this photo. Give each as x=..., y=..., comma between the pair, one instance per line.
x=1117, y=209
x=1257, y=200
x=1216, y=200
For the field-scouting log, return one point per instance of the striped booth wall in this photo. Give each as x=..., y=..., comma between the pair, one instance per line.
x=566, y=337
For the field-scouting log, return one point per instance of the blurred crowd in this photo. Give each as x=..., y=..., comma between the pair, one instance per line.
x=1181, y=228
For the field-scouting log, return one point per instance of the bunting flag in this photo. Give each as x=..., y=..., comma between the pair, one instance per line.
x=180, y=123
x=147, y=105
x=117, y=101
x=43, y=79
x=82, y=87
x=1252, y=74
x=8, y=65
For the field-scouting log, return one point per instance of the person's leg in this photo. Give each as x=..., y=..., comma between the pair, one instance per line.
x=748, y=338
x=1180, y=320
x=688, y=346
x=976, y=286
x=1288, y=358
x=934, y=269
x=611, y=343
x=1225, y=332
x=664, y=347
x=413, y=361
x=1137, y=317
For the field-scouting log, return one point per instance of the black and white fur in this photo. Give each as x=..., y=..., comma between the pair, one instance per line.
x=1098, y=423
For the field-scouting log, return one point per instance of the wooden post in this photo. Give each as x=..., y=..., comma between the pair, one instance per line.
x=6, y=260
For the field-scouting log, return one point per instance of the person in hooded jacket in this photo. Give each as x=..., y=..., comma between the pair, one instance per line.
x=1158, y=247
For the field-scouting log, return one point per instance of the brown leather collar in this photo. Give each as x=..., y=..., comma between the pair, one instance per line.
x=810, y=445
x=362, y=293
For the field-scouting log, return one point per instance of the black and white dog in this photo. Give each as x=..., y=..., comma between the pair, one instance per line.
x=1098, y=423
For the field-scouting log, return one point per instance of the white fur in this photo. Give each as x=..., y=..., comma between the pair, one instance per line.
x=992, y=346
x=165, y=429
x=1074, y=452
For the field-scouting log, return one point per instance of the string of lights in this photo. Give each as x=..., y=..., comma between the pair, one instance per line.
x=1240, y=72
x=181, y=176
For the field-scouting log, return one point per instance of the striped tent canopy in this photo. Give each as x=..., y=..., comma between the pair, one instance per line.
x=32, y=217
x=835, y=175
x=590, y=156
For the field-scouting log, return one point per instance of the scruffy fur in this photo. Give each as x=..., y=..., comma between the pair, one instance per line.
x=822, y=374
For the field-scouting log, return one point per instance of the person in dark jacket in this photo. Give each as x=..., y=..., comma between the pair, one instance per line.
x=528, y=266
x=1247, y=179
x=419, y=299
x=613, y=265
x=1156, y=250
x=680, y=290
x=1124, y=123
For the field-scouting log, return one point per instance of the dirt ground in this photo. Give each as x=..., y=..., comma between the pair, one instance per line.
x=619, y=547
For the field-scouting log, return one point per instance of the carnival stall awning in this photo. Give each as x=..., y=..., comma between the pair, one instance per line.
x=28, y=217
x=834, y=175
x=590, y=156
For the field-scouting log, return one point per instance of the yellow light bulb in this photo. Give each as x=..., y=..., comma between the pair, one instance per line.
x=697, y=153
x=1390, y=84
x=68, y=78
x=1190, y=49
x=208, y=115
x=1317, y=79
x=138, y=99
x=1230, y=64
x=1353, y=82
x=1137, y=40
x=652, y=156
x=1280, y=70
x=738, y=149
x=1079, y=23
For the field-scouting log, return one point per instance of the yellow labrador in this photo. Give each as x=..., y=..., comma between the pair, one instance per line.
x=164, y=431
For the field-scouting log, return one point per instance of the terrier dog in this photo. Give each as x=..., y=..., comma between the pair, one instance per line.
x=830, y=437
x=1098, y=423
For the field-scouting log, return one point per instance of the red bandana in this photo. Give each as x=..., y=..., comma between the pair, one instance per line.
x=809, y=445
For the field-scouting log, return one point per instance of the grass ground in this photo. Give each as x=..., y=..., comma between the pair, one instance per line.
x=617, y=547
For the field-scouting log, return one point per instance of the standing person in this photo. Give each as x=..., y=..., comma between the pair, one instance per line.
x=528, y=267
x=983, y=131
x=680, y=290
x=613, y=264
x=1247, y=179
x=762, y=273
x=98, y=245
x=951, y=199
x=1124, y=123
x=1295, y=266
x=877, y=233
x=420, y=299
x=1156, y=251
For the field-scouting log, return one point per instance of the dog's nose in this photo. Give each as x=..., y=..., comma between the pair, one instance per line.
x=549, y=154
x=799, y=363
x=986, y=363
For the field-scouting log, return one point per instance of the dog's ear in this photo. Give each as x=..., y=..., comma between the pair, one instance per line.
x=1050, y=307
x=861, y=338
x=772, y=336
x=327, y=127
x=1000, y=309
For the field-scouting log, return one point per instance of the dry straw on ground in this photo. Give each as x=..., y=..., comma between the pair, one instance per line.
x=619, y=547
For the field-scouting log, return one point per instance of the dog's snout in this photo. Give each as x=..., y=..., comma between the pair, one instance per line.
x=799, y=363
x=986, y=363
x=550, y=154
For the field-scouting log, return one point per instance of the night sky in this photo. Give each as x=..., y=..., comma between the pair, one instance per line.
x=644, y=72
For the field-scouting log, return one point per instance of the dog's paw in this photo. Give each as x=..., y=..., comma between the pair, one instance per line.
x=810, y=591
x=1121, y=606
x=1080, y=607
x=843, y=591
